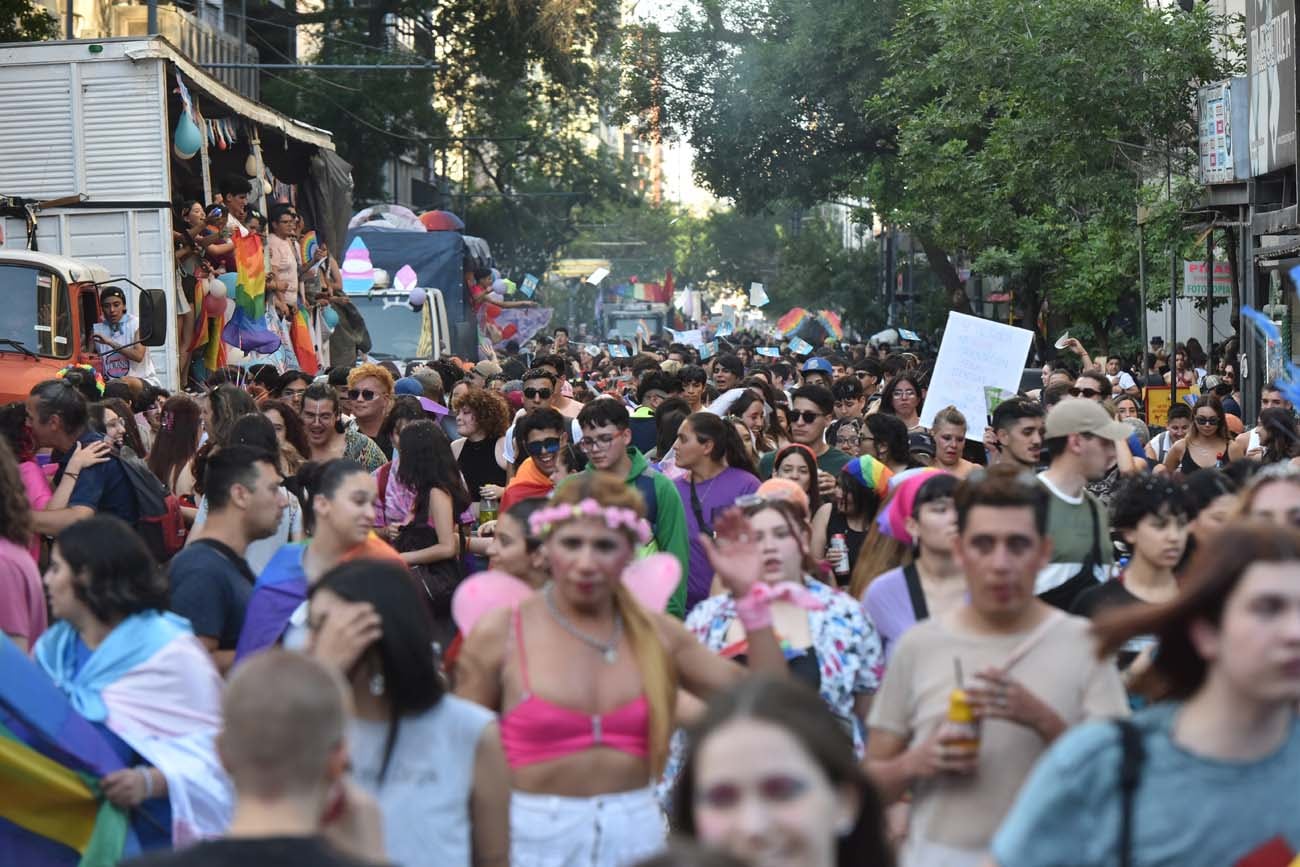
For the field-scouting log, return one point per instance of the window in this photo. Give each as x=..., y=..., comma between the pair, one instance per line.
x=35, y=310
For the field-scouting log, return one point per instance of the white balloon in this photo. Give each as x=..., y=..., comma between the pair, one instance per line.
x=417, y=298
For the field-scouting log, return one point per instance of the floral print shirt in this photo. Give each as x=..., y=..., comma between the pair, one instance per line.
x=850, y=658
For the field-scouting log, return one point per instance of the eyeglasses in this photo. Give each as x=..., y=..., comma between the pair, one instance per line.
x=548, y=446
x=901, y=395
x=535, y=393
x=807, y=415
x=597, y=443
x=365, y=394
x=1207, y=420
x=1089, y=393
x=866, y=440
x=310, y=417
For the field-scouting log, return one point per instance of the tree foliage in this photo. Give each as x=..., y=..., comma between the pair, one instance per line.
x=26, y=21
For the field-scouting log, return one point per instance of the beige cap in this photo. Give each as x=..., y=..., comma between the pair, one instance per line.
x=486, y=368
x=1079, y=415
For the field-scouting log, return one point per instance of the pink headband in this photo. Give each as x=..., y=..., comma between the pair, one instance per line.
x=544, y=520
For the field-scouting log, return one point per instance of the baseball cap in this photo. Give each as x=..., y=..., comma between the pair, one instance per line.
x=921, y=443
x=818, y=365
x=408, y=385
x=1079, y=415
x=1157, y=341
x=486, y=368
x=111, y=290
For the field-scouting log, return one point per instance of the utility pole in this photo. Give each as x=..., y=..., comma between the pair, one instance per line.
x=1209, y=300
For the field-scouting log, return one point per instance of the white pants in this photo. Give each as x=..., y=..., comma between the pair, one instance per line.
x=604, y=831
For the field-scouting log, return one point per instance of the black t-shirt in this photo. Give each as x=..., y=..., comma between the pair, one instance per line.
x=1101, y=598
x=211, y=585
x=256, y=852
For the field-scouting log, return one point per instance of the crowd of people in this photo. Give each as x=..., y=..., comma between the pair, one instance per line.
x=562, y=607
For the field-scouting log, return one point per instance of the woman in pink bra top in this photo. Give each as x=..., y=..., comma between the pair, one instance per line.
x=586, y=679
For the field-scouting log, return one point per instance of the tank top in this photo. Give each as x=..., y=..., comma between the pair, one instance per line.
x=478, y=464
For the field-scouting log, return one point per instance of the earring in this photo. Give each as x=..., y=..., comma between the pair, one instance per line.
x=377, y=685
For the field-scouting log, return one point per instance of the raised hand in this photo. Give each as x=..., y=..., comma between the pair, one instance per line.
x=733, y=553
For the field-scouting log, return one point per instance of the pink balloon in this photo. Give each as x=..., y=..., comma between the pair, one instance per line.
x=214, y=306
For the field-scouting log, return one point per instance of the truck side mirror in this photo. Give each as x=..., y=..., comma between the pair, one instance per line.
x=153, y=317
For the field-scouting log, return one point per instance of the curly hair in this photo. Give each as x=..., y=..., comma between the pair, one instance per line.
x=362, y=371
x=15, y=511
x=116, y=576
x=490, y=410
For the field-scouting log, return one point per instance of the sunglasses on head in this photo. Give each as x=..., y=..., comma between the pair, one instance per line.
x=362, y=394
x=535, y=393
x=807, y=415
x=1089, y=393
x=548, y=446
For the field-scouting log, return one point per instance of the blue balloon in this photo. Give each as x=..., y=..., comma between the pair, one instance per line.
x=188, y=139
x=331, y=317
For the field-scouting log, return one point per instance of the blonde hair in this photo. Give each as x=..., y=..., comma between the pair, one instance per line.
x=658, y=676
x=949, y=415
x=879, y=554
x=362, y=371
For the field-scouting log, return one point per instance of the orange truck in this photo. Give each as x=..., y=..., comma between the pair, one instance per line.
x=48, y=307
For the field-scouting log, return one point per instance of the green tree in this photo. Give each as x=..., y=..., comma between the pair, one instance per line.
x=1022, y=130
x=816, y=272
x=26, y=21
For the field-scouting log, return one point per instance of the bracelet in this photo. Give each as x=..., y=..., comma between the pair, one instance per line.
x=148, y=780
x=70, y=475
x=755, y=609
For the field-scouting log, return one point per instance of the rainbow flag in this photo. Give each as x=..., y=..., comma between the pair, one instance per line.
x=830, y=320
x=247, y=329
x=300, y=336
x=790, y=322
x=51, y=758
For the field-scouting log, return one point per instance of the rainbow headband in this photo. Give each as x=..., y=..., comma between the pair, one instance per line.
x=544, y=520
x=870, y=473
x=99, y=379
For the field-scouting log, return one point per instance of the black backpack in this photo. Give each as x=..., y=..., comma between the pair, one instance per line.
x=161, y=525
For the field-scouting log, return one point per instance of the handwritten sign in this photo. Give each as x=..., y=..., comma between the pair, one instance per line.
x=975, y=354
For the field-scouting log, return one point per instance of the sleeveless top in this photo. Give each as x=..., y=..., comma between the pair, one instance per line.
x=478, y=464
x=537, y=730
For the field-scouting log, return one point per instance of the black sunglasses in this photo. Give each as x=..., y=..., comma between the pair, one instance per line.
x=1089, y=393
x=807, y=415
x=548, y=446
x=534, y=393
x=362, y=394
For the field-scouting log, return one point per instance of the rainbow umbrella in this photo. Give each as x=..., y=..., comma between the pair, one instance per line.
x=830, y=320
x=790, y=322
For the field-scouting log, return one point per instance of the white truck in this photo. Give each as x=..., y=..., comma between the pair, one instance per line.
x=89, y=125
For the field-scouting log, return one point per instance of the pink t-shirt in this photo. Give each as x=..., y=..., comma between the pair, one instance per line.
x=22, y=598
x=37, y=485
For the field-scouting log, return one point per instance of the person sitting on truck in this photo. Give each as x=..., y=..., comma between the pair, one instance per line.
x=482, y=293
x=117, y=338
x=58, y=416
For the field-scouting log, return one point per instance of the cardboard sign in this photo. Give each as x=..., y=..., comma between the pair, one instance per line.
x=975, y=354
x=1156, y=400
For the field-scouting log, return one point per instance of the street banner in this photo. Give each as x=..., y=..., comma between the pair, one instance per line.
x=1194, y=279
x=975, y=354
x=1270, y=62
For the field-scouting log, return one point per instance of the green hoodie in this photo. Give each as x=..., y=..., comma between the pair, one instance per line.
x=667, y=520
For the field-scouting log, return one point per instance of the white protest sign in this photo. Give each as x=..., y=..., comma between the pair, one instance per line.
x=975, y=353
x=757, y=295
x=598, y=275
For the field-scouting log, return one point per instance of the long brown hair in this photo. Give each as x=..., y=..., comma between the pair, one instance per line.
x=1178, y=670
x=177, y=440
x=658, y=676
x=15, y=510
x=878, y=554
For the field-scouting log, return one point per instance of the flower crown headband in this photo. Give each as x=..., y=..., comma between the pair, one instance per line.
x=544, y=520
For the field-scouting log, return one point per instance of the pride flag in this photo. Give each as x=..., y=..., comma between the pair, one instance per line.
x=300, y=337
x=247, y=329
x=51, y=758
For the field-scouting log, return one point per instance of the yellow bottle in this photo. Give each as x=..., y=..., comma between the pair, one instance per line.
x=962, y=729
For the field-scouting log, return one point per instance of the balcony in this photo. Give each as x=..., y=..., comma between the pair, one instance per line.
x=200, y=41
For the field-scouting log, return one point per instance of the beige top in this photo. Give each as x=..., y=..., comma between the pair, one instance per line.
x=1061, y=668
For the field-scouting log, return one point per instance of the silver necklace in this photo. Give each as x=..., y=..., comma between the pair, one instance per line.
x=608, y=649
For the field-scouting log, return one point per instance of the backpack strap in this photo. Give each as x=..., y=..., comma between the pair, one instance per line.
x=1132, y=756
x=914, y=592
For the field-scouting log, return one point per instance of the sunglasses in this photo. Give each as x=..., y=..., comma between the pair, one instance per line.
x=535, y=393
x=1089, y=393
x=362, y=394
x=548, y=446
x=1207, y=420
x=807, y=415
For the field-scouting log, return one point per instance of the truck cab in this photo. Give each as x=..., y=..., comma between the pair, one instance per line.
x=48, y=309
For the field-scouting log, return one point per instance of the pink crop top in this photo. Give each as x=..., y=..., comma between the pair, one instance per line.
x=536, y=730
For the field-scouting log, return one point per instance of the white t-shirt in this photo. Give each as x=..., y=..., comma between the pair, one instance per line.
x=117, y=365
x=575, y=435
x=425, y=793
x=1124, y=381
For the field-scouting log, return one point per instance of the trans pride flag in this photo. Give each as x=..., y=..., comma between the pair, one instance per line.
x=51, y=812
